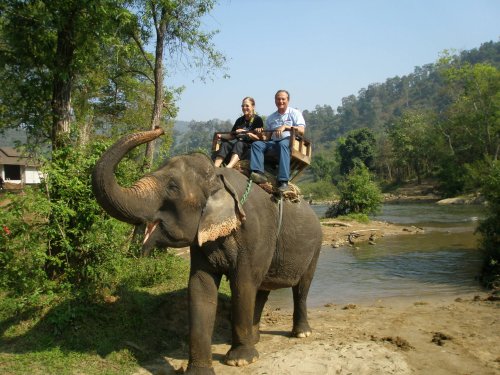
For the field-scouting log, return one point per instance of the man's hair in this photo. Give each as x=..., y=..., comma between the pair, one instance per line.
x=286, y=92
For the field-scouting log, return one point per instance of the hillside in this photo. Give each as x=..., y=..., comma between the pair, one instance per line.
x=373, y=107
x=379, y=104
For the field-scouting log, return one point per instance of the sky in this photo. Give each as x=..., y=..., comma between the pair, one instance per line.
x=324, y=50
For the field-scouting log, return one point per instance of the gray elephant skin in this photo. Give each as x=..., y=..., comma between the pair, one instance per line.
x=190, y=202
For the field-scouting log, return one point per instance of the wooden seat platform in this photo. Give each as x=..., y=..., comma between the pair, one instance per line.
x=301, y=154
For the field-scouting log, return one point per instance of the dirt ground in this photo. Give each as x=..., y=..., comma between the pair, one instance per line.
x=457, y=335
x=453, y=335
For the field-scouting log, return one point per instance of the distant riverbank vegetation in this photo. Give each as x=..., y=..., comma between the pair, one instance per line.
x=73, y=79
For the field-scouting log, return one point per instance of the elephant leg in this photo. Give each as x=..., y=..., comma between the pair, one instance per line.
x=202, y=289
x=242, y=350
x=301, y=326
x=260, y=302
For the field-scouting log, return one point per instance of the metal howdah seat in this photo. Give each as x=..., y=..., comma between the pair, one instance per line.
x=300, y=156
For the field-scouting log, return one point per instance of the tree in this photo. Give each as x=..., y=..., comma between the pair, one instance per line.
x=321, y=126
x=490, y=227
x=48, y=46
x=199, y=136
x=358, y=194
x=176, y=26
x=470, y=124
x=358, y=148
x=413, y=139
x=322, y=168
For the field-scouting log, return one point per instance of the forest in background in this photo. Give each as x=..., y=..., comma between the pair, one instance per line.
x=434, y=122
x=422, y=124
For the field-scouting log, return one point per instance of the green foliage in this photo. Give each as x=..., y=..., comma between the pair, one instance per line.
x=60, y=237
x=75, y=217
x=60, y=44
x=23, y=251
x=468, y=126
x=358, y=194
x=153, y=271
x=413, y=143
x=358, y=148
x=470, y=123
x=452, y=177
x=359, y=217
x=199, y=136
x=111, y=335
x=322, y=127
x=490, y=227
x=322, y=168
x=179, y=24
x=321, y=190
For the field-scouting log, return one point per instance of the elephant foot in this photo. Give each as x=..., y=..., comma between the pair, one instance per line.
x=302, y=330
x=241, y=355
x=193, y=370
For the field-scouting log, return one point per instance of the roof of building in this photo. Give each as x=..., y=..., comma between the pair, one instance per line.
x=10, y=156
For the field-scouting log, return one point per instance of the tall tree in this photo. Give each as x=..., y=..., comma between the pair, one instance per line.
x=413, y=139
x=470, y=123
x=48, y=45
x=175, y=26
x=357, y=148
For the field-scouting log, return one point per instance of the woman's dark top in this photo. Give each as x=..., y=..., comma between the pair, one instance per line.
x=241, y=144
x=242, y=123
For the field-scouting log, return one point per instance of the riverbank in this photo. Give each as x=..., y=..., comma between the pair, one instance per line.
x=338, y=233
x=453, y=335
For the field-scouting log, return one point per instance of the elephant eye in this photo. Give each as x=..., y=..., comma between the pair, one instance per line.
x=172, y=187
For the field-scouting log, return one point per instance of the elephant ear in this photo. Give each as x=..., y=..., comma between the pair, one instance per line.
x=221, y=215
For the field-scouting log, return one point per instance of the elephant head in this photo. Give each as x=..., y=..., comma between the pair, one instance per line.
x=184, y=202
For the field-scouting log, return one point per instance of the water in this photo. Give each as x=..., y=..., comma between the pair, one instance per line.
x=442, y=261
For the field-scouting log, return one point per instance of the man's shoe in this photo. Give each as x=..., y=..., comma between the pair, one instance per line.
x=284, y=187
x=258, y=178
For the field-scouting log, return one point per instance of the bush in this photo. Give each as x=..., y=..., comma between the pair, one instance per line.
x=60, y=238
x=490, y=227
x=358, y=194
x=452, y=178
x=319, y=190
x=23, y=240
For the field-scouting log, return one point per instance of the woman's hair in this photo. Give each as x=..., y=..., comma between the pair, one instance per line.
x=251, y=100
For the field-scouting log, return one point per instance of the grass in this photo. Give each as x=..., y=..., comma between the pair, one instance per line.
x=134, y=327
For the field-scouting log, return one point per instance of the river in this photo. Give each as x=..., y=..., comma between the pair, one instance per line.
x=443, y=260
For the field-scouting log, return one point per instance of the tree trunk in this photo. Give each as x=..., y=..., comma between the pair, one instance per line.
x=62, y=84
x=161, y=29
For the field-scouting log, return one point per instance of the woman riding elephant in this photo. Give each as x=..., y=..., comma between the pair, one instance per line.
x=235, y=146
x=233, y=228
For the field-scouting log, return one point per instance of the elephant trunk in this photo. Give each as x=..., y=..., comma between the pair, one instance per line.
x=137, y=203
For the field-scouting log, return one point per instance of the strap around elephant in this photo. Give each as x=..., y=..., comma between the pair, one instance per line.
x=280, y=210
x=247, y=192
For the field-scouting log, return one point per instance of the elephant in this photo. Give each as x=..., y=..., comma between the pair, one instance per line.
x=234, y=228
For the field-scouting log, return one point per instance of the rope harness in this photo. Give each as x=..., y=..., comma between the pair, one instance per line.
x=244, y=197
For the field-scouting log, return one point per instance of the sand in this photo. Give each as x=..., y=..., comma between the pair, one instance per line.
x=456, y=335
x=451, y=335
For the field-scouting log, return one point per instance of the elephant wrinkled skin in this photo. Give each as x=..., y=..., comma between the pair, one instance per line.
x=189, y=202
